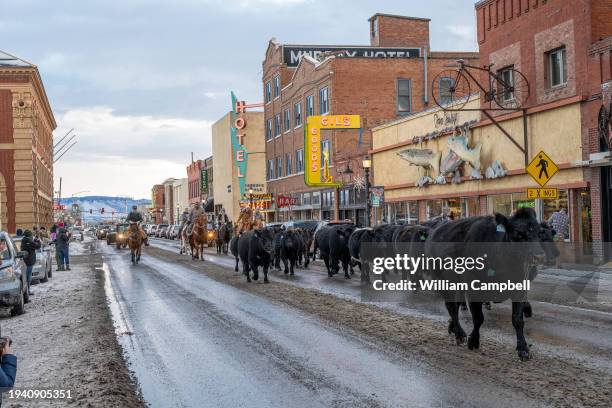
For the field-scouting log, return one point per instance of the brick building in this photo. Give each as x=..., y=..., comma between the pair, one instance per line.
x=158, y=203
x=564, y=51
x=26, y=147
x=384, y=81
x=193, y=180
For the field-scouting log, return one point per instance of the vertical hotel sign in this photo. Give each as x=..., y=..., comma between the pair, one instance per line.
x=204, y=181
x=237, y=133
x=316, y=160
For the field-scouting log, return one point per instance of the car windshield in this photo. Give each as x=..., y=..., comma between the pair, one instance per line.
x=122, y=228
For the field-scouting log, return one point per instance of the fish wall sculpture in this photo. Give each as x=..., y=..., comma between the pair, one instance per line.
x=459, y=145
x=425, y=158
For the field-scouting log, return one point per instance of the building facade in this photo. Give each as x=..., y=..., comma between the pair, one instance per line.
x=193, y=181
x=564, y=51
x=239, y=162
x=381, y=82
x=26, y=147
x=158, y=204
x=180, y=197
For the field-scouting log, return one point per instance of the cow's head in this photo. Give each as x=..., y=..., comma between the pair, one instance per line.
x=523, y=227
x=265, y=239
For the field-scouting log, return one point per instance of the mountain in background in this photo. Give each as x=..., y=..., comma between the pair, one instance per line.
x=110, y=204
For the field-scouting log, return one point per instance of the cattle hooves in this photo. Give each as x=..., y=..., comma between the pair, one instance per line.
x=527, y=311
x=347, y=276
x=524, y=355
x=286, y=271
x=266, y=280
x=473, y=343
x=460, y=340
x=451, y=327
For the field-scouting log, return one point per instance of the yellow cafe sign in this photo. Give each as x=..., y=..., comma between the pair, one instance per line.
x=316, y=172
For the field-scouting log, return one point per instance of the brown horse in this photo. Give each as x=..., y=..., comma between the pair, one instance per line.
x=198, y=237
x=135, y=242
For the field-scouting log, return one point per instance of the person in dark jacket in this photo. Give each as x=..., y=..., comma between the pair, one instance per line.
x=136, y=216
x=8, y=368
x=30, y=245
x=62, y=244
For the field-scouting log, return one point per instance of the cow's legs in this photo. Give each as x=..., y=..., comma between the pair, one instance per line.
x=477, y=320
x=453, y=325
x=245, y=271
x=326, y=260
x=292, y=267
x=236, y=268
x=255, y=272
x=285, y=265
x=265, y=271
x=517, y=321
x=345, y=268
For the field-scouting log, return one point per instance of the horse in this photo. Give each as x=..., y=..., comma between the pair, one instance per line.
x=183, y=240
x=224, y=235
x=135, y=242
x=198, y=237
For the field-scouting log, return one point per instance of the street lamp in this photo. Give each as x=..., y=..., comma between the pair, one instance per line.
x=367, y=164
x=178, y=209
x=251, y=197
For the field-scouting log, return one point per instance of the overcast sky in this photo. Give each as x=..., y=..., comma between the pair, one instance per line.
x=141, y=81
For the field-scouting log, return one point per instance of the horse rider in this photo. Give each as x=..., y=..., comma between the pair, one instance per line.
x=195, y=212
x=184, y=219
x=136, y=217
x=258, y=219
x=244, y=222
x=222, y=218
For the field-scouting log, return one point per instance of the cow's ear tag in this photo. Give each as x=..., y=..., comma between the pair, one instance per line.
x=501, y=228
x=423, y=237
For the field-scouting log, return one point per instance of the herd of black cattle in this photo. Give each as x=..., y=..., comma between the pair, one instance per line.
x=339, y=245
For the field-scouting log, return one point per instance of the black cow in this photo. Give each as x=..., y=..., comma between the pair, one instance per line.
x=306, y=238
x=355, y=240
x=332, y=242
x=256, y=248
x=234, y=250
x=276, y=232
x=410, y=239
x=291, y=244
x=381, y=233
x=521, y=227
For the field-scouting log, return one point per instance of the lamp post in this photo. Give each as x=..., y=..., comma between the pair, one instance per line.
x=251, y=198
x=178, y=213
x=367, y=163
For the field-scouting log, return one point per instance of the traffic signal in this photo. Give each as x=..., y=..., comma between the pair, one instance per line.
x=102, y=210
x=90, y=211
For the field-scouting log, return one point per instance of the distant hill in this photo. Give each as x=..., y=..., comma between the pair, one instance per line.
x=109, y=203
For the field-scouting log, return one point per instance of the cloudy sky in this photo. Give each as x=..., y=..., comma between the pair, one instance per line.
x=141, y=81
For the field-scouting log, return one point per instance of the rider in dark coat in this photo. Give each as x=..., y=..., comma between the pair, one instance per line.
x=136, y=217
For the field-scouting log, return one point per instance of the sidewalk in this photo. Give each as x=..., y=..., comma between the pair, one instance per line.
x=66, y=341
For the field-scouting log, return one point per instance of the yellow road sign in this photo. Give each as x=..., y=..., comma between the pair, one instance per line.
x=542, y=168
x=533, y=193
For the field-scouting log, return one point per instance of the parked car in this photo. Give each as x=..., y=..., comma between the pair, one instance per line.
x=161, y=229
x=173, y=232
x=102, y=231
x=13, y=283
x=43, y=268
x=153, y=230
x=118, y=236
x=76, y=234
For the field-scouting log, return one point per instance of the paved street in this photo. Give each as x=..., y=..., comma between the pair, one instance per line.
x=196, y=341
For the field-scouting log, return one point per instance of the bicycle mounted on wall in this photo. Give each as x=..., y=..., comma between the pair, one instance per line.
x=506, y=90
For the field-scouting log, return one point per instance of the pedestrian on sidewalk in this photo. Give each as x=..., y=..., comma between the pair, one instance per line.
x=30, y=245
x=62, y=244
x=559, y=221
x=8, y=366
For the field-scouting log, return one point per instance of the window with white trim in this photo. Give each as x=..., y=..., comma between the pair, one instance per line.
x=287, y=120
x=557, y=67
x=309, y=105
x=279, y=167
x=299, y=160
x=270, y=170
x=404, y=97
x=268, y=92
x=269, y=129
x=277, y=86
x=297, y=114
x=277, y=125
x=288, y=164
x=506, y=76
x=323, y=101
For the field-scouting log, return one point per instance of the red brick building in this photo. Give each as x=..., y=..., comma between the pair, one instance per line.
x=386, y=80
x=193, y=181
x=158, y=203
x=563, y=47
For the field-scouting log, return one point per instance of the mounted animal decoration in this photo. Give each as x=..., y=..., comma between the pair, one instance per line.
x=425, y=158
x=458, y=143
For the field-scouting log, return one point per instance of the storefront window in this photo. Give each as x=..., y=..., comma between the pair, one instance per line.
x=507, y=204
x=554, y=205
x=434, y=208
x=470, y=207
x=452, y=208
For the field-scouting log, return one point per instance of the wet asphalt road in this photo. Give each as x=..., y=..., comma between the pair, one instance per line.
x=557, y=327
x=194, y=342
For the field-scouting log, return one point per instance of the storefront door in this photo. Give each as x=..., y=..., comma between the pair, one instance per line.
x=606, y=210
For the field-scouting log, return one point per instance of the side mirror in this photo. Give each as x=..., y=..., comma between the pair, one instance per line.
x=22, y=254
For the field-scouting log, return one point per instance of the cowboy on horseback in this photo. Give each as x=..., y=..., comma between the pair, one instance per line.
x=136, y=217
x=195, y=212
x=222, y=218
x=184, y=219
x=244, y=222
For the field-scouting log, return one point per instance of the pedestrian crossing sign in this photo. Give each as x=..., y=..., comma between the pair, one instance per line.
x=542, y=168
